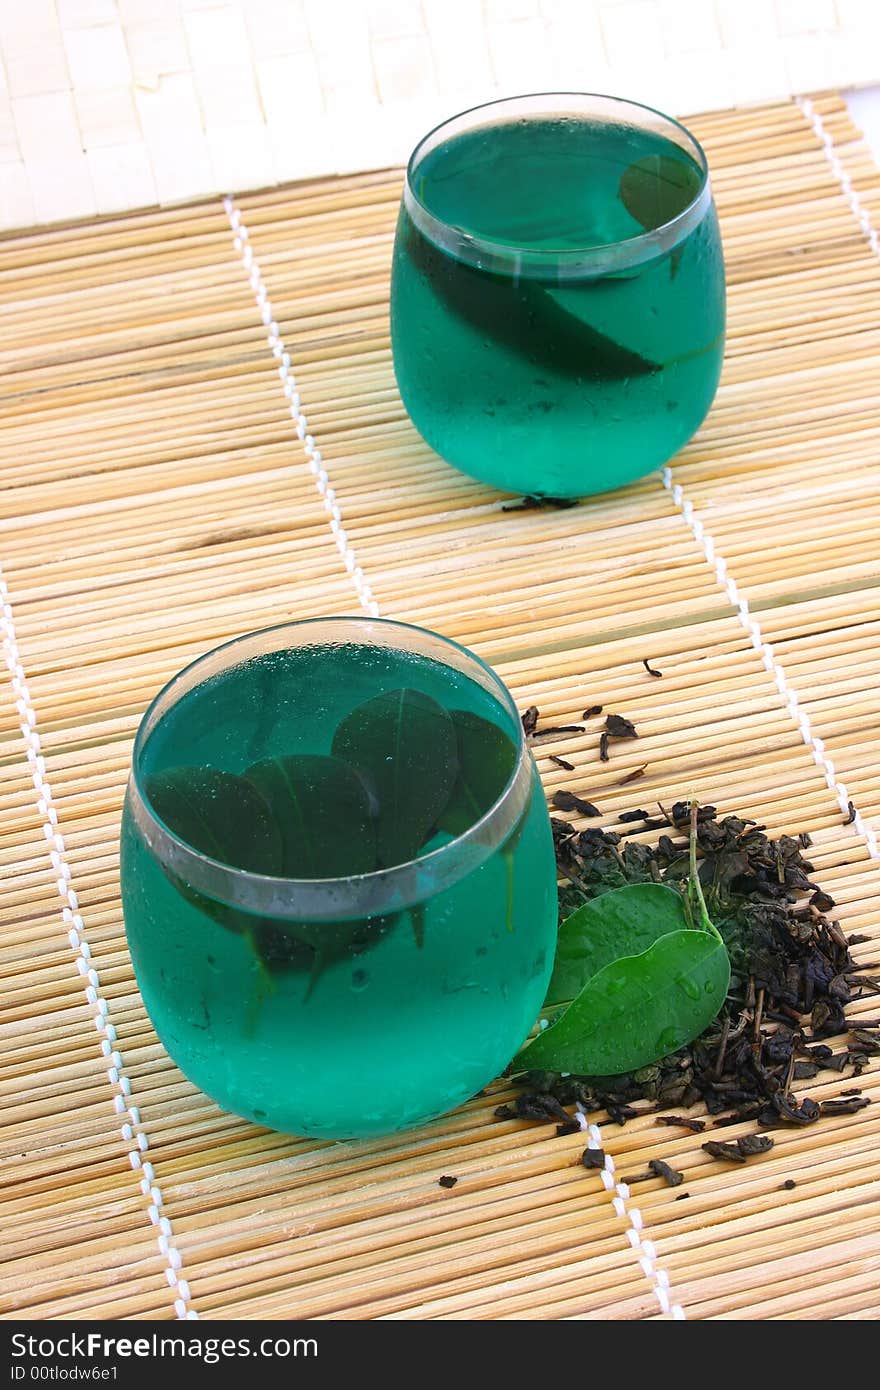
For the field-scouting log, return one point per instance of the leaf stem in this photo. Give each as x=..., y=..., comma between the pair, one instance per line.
x=696, y=885
x=264, y=986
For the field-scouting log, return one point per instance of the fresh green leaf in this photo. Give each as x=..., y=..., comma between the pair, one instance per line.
x=322, y=812
x=404, y=746
x=486, y=760
x=525, y=318
x=623, y=922
x=656, y=189
x=637, y=1009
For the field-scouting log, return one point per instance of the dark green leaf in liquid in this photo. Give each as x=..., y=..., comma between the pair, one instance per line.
x=525, y=318
x=322, y=812
x=486, y=760
x=312, y=947
x=218, y=814
x=226, y=818
x=223, y=817
x=638, y=1008
x=657, y=189
x=404, y=746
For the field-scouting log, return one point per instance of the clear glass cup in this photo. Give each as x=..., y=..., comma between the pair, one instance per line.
x=364, y=996
x=557, y=293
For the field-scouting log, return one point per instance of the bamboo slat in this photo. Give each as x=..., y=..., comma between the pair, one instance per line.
x=154, y=500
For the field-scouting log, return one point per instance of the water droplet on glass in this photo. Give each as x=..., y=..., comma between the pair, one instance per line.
x=359, y=980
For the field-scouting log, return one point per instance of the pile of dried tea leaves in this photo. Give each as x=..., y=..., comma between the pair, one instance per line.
x=792, y=975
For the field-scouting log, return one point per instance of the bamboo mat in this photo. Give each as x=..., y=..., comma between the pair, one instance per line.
x=155, y=500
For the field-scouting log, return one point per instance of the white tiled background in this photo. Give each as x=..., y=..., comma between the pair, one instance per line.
x=111, y=104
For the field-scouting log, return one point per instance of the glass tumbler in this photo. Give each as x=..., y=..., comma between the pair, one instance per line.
x=557, y=293
x=338, y=875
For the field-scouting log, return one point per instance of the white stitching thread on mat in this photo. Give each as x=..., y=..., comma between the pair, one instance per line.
x=698, y=530
x=771, y=662
x=857, y=207
x=773, y=666
x=643, y=1248
x=241, y=242
x=132, y=1130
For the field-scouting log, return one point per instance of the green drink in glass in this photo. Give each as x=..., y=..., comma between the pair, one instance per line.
x=557, y=297
x=338, y=876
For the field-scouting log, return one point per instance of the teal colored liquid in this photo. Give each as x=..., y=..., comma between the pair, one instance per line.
x=396, y=1017
x=540, y=384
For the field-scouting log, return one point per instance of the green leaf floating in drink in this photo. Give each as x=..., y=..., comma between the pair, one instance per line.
x=325, y=823
x=226, y=818
x=486, y=760
x=527, y=319
x=220, y=815
x=404, y=746
x=642, y=980
x=657, y=189
x=322, y=812
x=401, y=768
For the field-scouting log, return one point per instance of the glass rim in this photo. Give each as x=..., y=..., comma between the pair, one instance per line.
x=330, y=899
x=568, y=262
